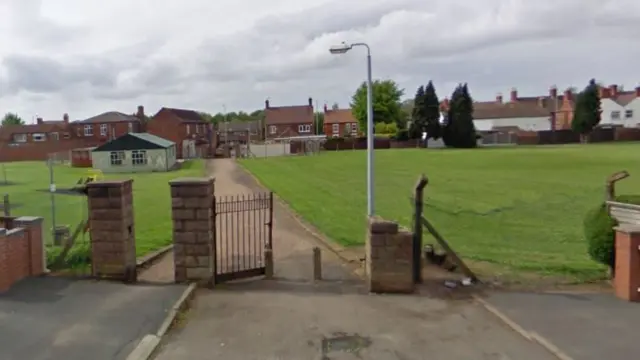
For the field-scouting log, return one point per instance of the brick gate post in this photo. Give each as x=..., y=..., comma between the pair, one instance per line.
x=113, y=242
x=627, y=267
x=191, y=207
x=37, y=255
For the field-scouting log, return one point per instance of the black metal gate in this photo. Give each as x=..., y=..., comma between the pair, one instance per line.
x=242, y=230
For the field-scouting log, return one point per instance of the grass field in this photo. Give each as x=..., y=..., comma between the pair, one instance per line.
x=152, y=199
x=519, y=209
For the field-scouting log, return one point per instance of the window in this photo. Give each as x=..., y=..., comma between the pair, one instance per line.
x=197, y=128
x=66, y=135
x=39, y=137
x=103, y=129
x=628, y=114
x=188, y=129
x=139, y=157
x=335, y=128
x=130, y=127
x=304, y=128
x=19, y=138
x=55, y=136
x=272, y=129
x=347, y=127
x=117, y=158
x=615, y=115
x=88, y=130
x=354, y=128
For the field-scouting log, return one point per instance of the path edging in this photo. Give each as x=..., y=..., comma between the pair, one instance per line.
x=529, y=335
x=337, y=249
x=149, y=258
x=150, y=342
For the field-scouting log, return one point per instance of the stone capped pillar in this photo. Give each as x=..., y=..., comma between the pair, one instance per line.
x=37, y=254
x=5, y=276
x=389, y=257
x=192, y=215
x=113, y=243
x=627, y=268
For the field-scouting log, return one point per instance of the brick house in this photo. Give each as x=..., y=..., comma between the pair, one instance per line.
x=288, y=121
x=192, y=134
x=107, y=126
x=241, y=131
x=33, y=142
x=339, y=122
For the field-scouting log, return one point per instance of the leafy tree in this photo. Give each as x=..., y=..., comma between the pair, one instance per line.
x=386, y=104
x=459, y=130
x=587, y=113
x=431, y=111
x=11, y=119
x=418, y=117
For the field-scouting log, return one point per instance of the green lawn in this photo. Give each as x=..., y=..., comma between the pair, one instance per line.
x=518, y=208
x=152, y=199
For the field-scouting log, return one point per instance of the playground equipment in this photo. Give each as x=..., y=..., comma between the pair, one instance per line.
x=92, y=175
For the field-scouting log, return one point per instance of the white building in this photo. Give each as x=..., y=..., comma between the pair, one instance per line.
x=527, y=114
x=620, y=108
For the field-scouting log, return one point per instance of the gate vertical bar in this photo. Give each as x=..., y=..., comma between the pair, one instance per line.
x=270, y=224
x=417, y=229
x=214, y=239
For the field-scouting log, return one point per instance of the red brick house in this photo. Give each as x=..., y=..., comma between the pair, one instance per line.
x=288, y=121
x=339, y=122
x=107, y=126
x=193, y=135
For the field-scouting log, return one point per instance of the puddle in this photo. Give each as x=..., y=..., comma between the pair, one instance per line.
x=342, y=342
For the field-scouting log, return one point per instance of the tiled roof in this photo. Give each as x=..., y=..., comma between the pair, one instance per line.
x=186, y=115
x=109, y=117
x=494, y=110
x=301, y=114
x=153, y=139
x=339, y=116
x=7, y=131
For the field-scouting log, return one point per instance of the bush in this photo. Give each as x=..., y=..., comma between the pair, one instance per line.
x=599, y=233
x=402, y=135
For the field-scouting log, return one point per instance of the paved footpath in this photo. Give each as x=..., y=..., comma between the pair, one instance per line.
x=335, y=319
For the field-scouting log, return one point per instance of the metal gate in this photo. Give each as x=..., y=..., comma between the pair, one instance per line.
x=242, y=230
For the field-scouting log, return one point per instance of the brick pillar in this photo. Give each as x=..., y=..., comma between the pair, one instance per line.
x=5, y=277
x=113, y=243
x=193, y=250
x=627, y=271
x=35, y=242
x=389, y=257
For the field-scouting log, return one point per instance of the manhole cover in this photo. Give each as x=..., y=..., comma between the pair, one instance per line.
x=346, y=343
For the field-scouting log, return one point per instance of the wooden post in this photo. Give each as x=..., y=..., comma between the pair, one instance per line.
x=317, y=264
x=268, y=263
x=417, y=228
x=6, y=206
x=610, y=187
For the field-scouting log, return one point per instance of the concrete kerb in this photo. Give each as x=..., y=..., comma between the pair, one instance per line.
x=150, y=258
x=529, y=335
x=322, y=240
x=150, y=342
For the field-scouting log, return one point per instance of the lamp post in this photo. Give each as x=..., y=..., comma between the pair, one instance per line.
x=341, y=49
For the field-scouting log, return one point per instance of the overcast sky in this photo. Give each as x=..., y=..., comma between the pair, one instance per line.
x=85, y=57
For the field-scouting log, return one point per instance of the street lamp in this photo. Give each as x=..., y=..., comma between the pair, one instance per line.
x=342, y=49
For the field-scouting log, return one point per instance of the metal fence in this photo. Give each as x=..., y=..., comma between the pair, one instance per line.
x=499, y=139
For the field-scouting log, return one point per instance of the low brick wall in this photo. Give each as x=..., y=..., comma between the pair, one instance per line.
x=627, y=268
x=21, y=251
x=389, y=257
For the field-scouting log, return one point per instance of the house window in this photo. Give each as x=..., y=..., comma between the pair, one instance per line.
x=335, y=128
x=19, y=138
x=139, y=157
x=55, y=136
x=615, y=115
x=197, y=128
x=347, y=128
x=88, y=130
x=272, y=129
x=188, y=129
x=103, y=129
x=304, y=128
x=117, y=158
x=39, y=137
x=66, y=135
x=628, y=114
x=130, y=127
x=354, y=129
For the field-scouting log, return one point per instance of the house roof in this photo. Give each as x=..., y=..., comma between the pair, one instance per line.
x=135, y=141
x=624, y=97
x=7, y=131
x=237, y=125
x=185, y=115
x=299, y=114
x=494, y=110
x=339, y=116
x=109, y=117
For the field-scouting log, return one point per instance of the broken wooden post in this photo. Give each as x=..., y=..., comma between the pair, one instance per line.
x=610, y=186
x=268, y=263
x=6, y=206
x=317, y=264
x=417, y=228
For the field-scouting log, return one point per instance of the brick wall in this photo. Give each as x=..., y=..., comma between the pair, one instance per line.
x=389, y=257
x=21, y=251
x=627, y=267
x=40, y=150
x=191, y=208
x=113, y=244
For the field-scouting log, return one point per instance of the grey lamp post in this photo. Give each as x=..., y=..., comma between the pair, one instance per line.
x=342, y=49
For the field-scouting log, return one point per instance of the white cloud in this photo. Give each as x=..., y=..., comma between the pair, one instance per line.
x=86, y=57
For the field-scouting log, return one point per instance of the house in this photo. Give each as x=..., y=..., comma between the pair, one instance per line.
x=34, y=142
x=340, y=122
x=619, y=108
x=289, y=121
x=135, y=152
x=108, y=126
x=496, y=115
x=192, y=134
x=241, y=131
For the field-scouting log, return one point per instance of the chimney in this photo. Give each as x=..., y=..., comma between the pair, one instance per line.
x=568, y=95
x=266, y=104
x=553, y=92
x=65, y=118
x=140, y=113
x=638, y=91
x=445, y=104
x=39, y=120
x=514, y=95
x=325, y=108
x=499, y=98
x=613, y=90
x=311, y=102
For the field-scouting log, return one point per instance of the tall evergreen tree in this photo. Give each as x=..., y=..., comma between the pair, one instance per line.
x=418, y=118
x=459, y=130
x=431, y=111
x=588, y=112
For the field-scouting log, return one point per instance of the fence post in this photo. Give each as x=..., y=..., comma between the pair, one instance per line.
x=417, y=228
x=6, y=206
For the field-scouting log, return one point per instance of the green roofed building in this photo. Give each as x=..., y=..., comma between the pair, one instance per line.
x=135, y=152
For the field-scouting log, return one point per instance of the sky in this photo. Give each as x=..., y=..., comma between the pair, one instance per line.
x=85, y=57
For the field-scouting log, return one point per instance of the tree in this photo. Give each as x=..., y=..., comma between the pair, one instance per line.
x=459, y=130
x=418, y=117
x=386, y=104
x=335, y=106
x=587, y=113
x=431, y=111
x=11, y=119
